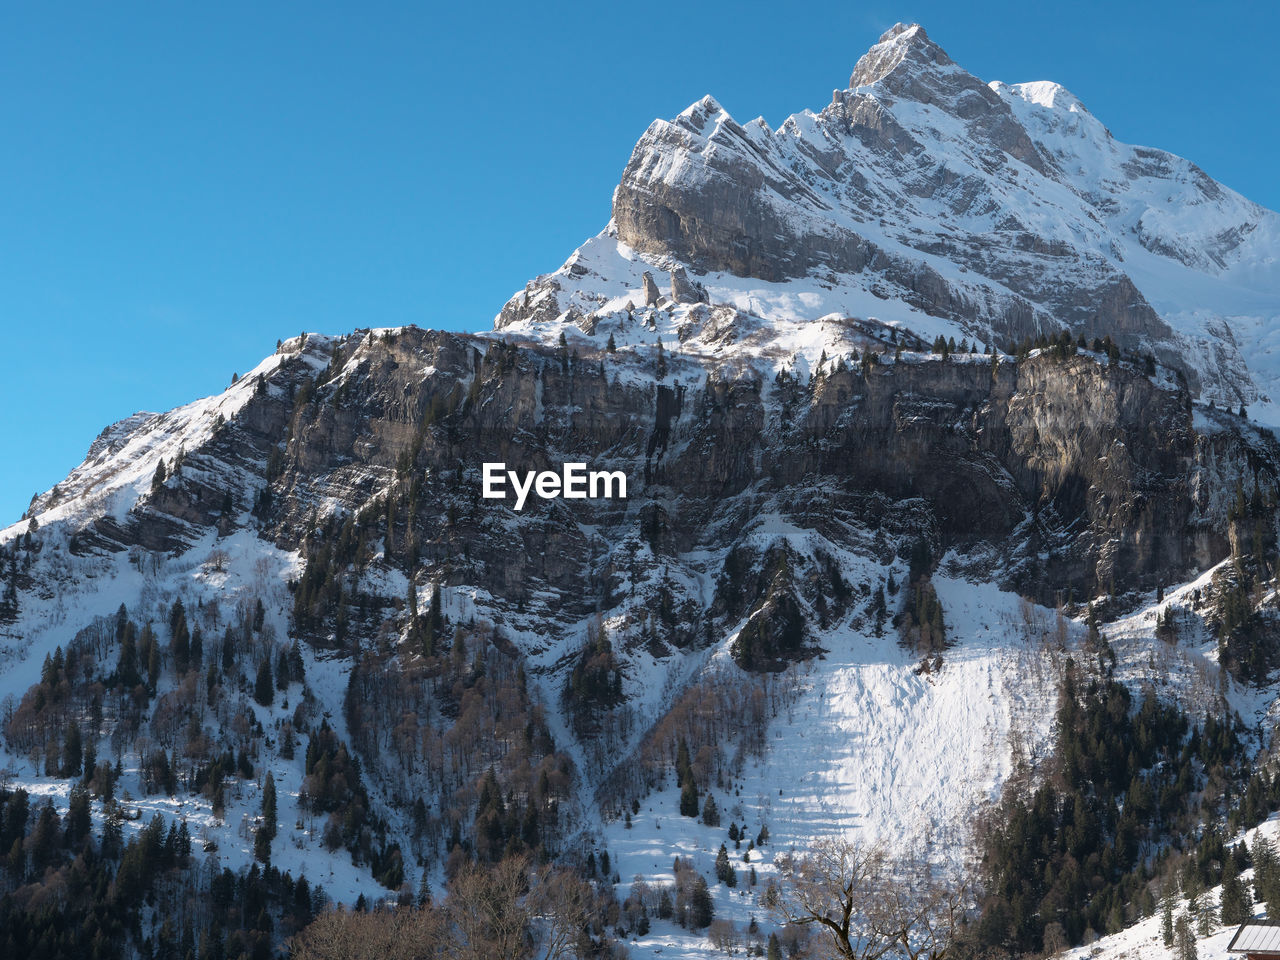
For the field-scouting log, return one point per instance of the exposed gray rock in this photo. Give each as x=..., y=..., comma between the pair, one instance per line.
x=1106, y=460
x=651, y=294
x=684, y=290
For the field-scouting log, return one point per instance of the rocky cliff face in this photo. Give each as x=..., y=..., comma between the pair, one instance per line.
x=1101, y=459
x=1083, y=476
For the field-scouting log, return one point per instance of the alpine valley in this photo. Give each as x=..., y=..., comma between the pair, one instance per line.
x=950, y=531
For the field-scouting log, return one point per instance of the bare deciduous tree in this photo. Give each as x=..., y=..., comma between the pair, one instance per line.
x=923, y=911
x=487, y=905
x=501, y=911
x=563, y=905
x=867, y=906
x=382, y=935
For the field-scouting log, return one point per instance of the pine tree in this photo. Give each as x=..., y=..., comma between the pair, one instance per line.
x=177, y=616
x=1266, y=876
x=127, y=667
x=723, y=868
x=612, y=345
x=266, y=830
x=702, y=909
x=689, y=799
x=435, y=619
x=665, y=907
x=72, y=752
x=683, y=766
x=263, y=689
x=153, y=666
x=774, y=950
x=269, y=804
x=1235, y=908
x=1166, y=919
x=43, y=842
x=424, y=888
x=262, y=847
x=180, y=645
x=184, y=844
x=711, y=812
x=228, y=651
x=79, y=819
x=684, y=777
x=1185, y=941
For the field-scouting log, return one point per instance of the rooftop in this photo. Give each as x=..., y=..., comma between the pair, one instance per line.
x=1256, y=936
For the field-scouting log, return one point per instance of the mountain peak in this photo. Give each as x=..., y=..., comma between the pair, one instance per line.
x=899, y=44
x=907, y=31
x=701, y=114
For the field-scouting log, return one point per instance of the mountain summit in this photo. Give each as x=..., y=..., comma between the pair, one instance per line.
x=904, y=46
x=933, y=201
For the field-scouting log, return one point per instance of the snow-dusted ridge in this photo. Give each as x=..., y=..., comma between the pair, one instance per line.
x=932, y=201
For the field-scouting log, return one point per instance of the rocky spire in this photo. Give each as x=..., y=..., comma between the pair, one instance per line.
x=902, y=43
x=651, y=294
x=906, y=65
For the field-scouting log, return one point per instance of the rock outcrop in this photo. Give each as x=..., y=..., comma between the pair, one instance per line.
x=650, y=289
x=684, y=290
x=1082, y=477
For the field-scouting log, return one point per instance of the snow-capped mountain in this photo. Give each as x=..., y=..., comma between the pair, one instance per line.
x=920, y=400
x=929, y=199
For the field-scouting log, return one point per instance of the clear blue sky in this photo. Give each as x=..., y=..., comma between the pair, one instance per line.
x=183, y=184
